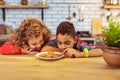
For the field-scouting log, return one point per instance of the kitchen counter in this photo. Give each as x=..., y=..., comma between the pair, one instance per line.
x=28, y=67
x=4, y=37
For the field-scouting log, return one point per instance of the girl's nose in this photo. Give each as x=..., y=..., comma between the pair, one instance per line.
x=38, y=46
x=63, y=46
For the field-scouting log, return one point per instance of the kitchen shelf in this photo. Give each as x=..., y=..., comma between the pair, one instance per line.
x=111, y=7
x=42, y=7
x=24, y=6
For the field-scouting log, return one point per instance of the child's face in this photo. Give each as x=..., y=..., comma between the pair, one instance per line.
x=36, y=43
x=65, y=41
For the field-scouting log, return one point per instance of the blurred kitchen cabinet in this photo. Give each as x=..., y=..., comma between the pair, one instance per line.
x=96, y=26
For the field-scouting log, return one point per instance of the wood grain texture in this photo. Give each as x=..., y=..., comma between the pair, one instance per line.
x=28, y=67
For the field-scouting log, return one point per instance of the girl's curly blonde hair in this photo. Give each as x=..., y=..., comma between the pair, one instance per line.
x=30, y=28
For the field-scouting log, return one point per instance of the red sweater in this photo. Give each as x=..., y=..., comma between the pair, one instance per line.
x=10, y=49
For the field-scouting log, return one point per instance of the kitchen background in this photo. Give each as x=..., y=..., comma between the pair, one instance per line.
x=58, y=11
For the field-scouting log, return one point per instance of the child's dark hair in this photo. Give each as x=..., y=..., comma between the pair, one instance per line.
x=66, y=28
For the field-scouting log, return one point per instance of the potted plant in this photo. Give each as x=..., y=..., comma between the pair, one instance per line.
x=111, y=38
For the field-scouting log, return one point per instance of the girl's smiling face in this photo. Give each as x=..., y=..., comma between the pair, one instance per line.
x=36, y=43
x=65, y=41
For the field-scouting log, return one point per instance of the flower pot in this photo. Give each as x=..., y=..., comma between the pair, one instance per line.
x=111, y=56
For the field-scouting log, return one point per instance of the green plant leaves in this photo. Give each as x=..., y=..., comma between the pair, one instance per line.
x=111, y=33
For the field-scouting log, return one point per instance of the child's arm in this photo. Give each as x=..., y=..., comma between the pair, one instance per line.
x=95, y=52
x=9, y=48
x=49, y=48
x=70, y=52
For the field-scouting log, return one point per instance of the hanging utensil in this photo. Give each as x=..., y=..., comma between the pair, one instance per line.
x=69, y=12
x=74, y=13
x=81, y=18
x=79, y=14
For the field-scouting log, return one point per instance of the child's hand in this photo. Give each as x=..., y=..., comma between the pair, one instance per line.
x=28, y=50
x=70, y=52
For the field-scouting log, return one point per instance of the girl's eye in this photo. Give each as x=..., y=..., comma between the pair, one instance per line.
x=59, y=43
x=67, y=43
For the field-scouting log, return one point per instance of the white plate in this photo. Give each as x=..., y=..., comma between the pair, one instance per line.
x=45, y=58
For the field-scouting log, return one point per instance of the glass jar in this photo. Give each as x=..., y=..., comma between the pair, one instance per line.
x=114, y=2
x=2, y=2
x=118, y=1
x=24, y=2
x=107, y=1
x=43, y=2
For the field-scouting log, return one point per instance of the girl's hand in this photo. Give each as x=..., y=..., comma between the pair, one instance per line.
x=70, y=52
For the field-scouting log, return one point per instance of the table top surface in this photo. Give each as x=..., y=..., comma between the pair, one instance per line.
x=28, y=67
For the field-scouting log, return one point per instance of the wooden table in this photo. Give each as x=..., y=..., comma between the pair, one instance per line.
x=28, y=67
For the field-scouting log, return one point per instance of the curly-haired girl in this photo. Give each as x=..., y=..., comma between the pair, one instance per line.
x=31, y=36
